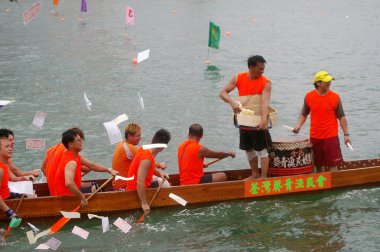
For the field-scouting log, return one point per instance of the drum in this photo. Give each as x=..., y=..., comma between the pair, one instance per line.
x=290, y=156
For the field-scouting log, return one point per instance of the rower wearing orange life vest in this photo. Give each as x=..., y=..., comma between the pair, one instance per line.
x=50, y=164
x=143, y=167
x=6, y=174
x=68, y=175
x=124, y=153
x=191, y=156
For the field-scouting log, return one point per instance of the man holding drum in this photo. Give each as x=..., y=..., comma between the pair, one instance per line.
x=254, y=92
x=325, y=108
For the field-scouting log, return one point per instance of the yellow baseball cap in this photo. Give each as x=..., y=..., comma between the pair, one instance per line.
x=323, y=76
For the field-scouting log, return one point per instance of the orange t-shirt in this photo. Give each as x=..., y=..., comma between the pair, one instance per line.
x=189, y=164
x=4, y=188
x=121, y=163
x=323, y=119
x=133, y=169
x=60, y=180
x=246, y=86
x=53, y=158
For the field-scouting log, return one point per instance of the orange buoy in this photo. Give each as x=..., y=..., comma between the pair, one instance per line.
x=228, y=33
x=135, y=61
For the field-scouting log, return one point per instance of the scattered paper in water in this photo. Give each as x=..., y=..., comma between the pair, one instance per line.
x=117, y=177
x=141, y=101
x=141, y=56
x=53, y=243
x=122, y=225
x=32, y=239
x=35, y=144
x=105, y=221
x=80, y=232
x=21, y=187
x=178, y=199
x=35, y=229
x=288, y=127
x=70, y=215
x=350, y=146
x=120, y=119
x=113, y=131
x=39, y=119
x=152, y=146
x=4, y=102
x=105, y=224
x=88, y=102
x=43, y=246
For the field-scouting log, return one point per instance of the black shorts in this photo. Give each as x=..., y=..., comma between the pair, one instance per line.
x=206, y=178
x=254, y=139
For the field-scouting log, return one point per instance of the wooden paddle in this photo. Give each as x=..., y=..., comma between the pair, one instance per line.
x=212, y=162
x=61, y=222
x=15, y=221
x=151, y=201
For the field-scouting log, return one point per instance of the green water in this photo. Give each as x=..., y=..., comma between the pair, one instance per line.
x=48, y=64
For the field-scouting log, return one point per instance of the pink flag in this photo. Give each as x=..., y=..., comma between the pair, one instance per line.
x=129, y=16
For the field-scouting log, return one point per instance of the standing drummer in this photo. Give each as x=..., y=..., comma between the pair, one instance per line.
x=254, y=91
x=325, y=108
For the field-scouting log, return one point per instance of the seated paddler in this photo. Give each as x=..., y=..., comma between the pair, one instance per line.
x=69, y=172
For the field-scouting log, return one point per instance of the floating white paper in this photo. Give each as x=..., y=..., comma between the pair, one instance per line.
x=80, y=232
x=35, y=229
x=113, y=131
x=141, y=56
x=43, y=246
x=120, y=119
x=53, y=243
x=105, y=224
x=32, y=239
x=178, y=199
x=21, y=187
x=152, y=146
x=39, y=119
x=288, y=127
x=35, y=144
x=141, y=101
x=4, y=102
x=105, y=221
x=70, y=215
x=350, y=146
x=117, y=177
x=122, y=225
x=32, y=12
x=88, y=102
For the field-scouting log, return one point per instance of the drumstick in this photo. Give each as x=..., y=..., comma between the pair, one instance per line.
x=288, y=127
x=349, y=146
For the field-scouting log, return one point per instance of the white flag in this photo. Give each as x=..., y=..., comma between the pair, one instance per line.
x=143, y=55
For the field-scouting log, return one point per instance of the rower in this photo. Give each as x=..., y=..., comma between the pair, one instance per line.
x=143, y=167
x=7, y=133
x=191, y=156
x=6, y=174
x=68, y=175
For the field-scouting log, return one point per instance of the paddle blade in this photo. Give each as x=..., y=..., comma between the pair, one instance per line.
x=61, y=222
x=15, y=222
x=141, y=219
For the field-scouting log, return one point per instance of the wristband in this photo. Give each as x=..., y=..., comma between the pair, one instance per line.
x=9, y=213
x=346, y=134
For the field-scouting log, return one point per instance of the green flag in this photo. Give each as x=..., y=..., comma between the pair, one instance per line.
x=214, y=36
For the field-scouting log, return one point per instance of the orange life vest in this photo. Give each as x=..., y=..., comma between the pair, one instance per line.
x=189, y=163
x=4, y=188
x=60, y=179
x=121, y=163
x=133, y=169
x=53, y=158
x=323, y=119
x=246, y=86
